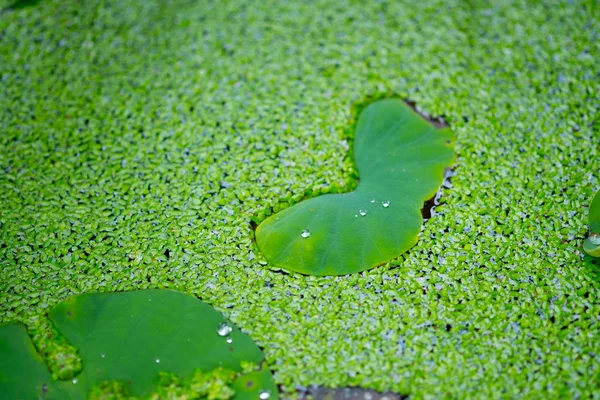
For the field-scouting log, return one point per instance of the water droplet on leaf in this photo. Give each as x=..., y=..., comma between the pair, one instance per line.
x=305, y=233
x=594, y=237
x=157, y=360
x=385, y=203
x=229, y=340
x=74, y=381
x=372, y=200
x=264, y=395
x=223, y=329
x=362, y=212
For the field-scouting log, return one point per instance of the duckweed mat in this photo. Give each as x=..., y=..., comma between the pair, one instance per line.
x=139, y=139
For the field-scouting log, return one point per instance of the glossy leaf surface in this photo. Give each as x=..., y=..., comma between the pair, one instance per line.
x=23, y=374
x=128, y=337
x=255, y=385
x=592, y=243
x=401, y=160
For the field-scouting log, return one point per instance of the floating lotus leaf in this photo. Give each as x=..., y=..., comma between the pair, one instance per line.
x=23, y=374
x=592, y=243
x=257, y=385
x=130, y=338
x=401, y=160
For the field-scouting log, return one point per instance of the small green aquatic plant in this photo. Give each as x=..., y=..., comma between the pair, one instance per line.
x=401, y=160
x=129, y=342
x=592, y=243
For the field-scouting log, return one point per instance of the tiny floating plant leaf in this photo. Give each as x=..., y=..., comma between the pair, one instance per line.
x=592, y=243
x=131, y=338
x=401, y=160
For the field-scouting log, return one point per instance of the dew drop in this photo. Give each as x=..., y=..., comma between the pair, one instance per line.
x=74, y=381
x=229, y=340
x=594, y=237
x=372, y=200
x=362, y=212
x=264, y=395
x=103, y=355
x=157, y=361
x=385, y=203
x=223, y=329
x=305, y=233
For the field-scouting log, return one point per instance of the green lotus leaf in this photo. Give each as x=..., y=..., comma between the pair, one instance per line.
x=592, y=243
x=132, y=338
x=401, y=160
x=257, y=385
x=23, y=374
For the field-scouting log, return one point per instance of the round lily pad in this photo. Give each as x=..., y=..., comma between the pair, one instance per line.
x=401, y=160
x=132, y=338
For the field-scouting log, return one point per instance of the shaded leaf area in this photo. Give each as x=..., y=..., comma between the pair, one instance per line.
x=136, y=344
x=24, y=4
x=401, y=159
x=592, y=243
